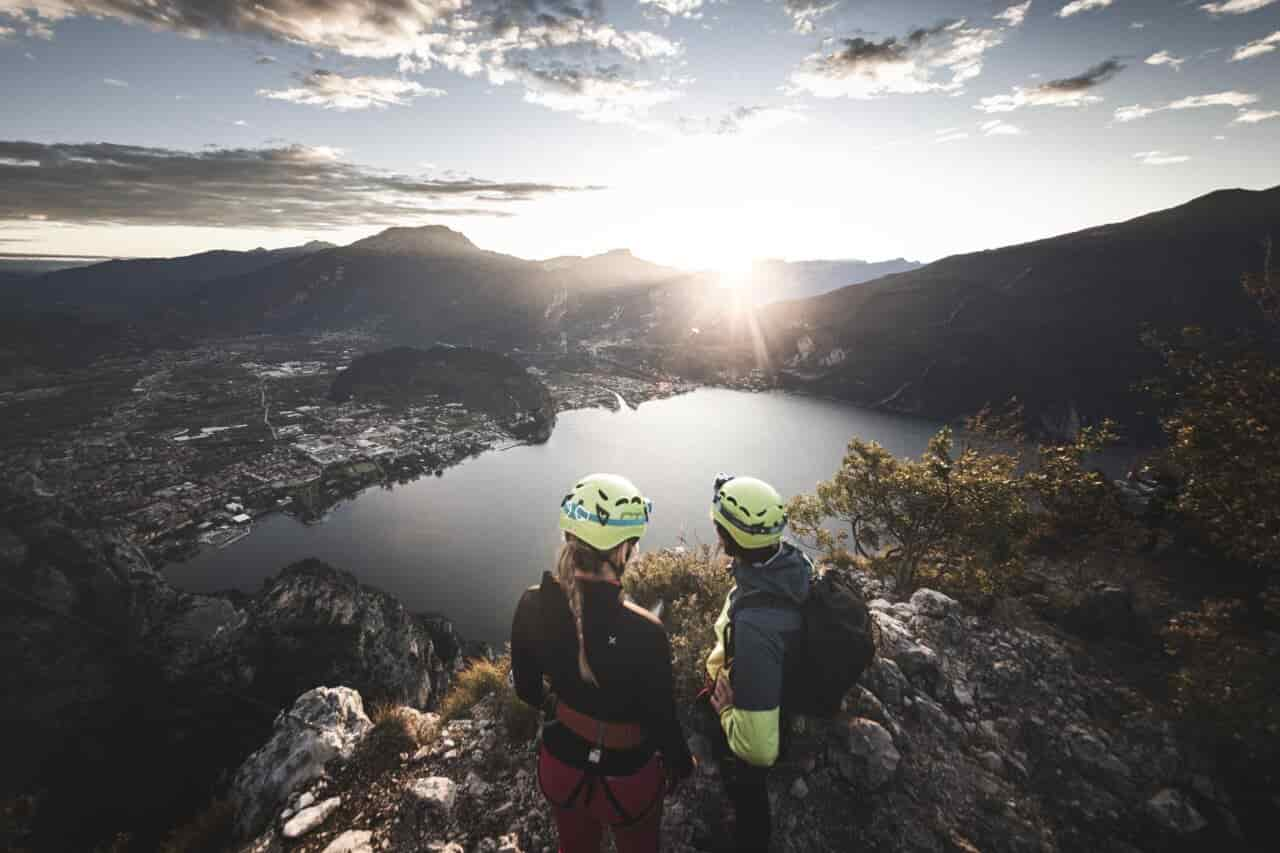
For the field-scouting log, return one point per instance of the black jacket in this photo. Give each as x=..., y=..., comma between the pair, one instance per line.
x=629, y=653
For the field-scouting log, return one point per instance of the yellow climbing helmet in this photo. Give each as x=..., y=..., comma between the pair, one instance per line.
x=750, y=510
x=605, y=510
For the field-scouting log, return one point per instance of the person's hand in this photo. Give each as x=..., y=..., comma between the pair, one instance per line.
x=722, y=695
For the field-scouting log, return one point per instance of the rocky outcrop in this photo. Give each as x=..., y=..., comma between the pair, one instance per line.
x=964, y=735
x=314, y=624
x=325, y=723
x=127, y=695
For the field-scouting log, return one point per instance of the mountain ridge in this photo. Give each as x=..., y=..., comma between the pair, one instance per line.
x=1056, y=322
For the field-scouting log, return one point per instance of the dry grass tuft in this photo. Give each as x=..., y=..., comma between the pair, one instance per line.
x=409, y=723
x=484, y=679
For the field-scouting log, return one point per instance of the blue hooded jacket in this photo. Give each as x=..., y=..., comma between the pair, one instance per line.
x=761, y=636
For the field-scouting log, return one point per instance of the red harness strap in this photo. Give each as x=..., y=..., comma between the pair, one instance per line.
x=599, y=734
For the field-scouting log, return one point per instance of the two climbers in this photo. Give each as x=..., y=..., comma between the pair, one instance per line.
x=612, y=746
x=600, y=666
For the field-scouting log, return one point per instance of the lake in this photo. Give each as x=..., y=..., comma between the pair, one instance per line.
x=466, y=544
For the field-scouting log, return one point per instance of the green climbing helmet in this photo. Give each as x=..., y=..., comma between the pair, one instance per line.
x=605, y=510
x=750, y=510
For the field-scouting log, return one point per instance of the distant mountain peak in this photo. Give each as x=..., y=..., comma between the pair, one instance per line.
x=423, y=240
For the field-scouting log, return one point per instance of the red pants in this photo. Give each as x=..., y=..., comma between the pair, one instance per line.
x=631, y=806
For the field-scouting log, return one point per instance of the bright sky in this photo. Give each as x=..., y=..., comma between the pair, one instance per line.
x=702, y=133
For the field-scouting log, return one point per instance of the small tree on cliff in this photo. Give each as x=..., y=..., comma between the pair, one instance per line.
x=1224, y=433
x=956, y=518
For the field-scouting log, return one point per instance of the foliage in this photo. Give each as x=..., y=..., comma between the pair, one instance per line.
x=956, y=518
x=1224, y=434
x=483, y=679
x=692, y=584
x=1225, y=677
x=1080, y=511
x=1224, y=687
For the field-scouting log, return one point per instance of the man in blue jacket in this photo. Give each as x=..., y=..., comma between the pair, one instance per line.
x=760, y=620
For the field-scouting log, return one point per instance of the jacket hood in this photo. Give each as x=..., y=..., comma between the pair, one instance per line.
x=785, y=574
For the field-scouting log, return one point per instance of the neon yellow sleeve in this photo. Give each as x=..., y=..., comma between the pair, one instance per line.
x=715, y=660
x=753, y=735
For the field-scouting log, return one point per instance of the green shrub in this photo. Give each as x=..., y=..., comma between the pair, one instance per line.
x=1079, y=511
x=1223, y=427
x=953, y=519
x=692, y=584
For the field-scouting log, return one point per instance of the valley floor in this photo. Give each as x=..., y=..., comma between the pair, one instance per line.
x=183, y=449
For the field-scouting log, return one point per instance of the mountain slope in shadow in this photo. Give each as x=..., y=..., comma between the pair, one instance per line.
x=1055, y=322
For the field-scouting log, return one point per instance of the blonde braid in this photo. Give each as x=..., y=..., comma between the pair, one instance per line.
x=575, y=557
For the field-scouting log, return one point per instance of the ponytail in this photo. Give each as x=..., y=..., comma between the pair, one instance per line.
x=576, y=557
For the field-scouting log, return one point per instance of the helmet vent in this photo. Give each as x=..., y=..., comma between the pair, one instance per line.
x=603, y=496
x=603, y=515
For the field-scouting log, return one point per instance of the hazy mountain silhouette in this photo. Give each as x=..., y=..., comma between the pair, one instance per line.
x=420, y=285
x=775, y=281
x=610, y=269
x=1055, y=322
x=133, y=288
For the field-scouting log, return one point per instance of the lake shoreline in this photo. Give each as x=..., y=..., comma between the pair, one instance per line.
x=467, y=543
x=347, y=481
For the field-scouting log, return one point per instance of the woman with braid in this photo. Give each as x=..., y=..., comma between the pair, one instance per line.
x=600, y=668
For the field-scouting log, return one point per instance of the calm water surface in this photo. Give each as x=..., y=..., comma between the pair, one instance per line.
x=467, y=543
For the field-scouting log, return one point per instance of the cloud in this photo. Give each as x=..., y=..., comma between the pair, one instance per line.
x=805, y=13
x=740, y=121
x=941, y=58
x=1257, y=47
x=673, y=8
x=996, y=127
x=240, y=123
x=951, y=134
x=471, y=37
x=1138, y=25
x=1160, y=158
x=602, y=94
x=1015, y=15
x=1164, y=57
x=1192, y=102
x=1075, y=7
x=119, y=84
x=1066, y=92
x=333, y=91
x=1236, y=7
x=284, y=187
x=265, y=59
x=1255, y=116
x=755, y=119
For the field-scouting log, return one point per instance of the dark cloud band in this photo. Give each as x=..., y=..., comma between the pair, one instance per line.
x=284, y=187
